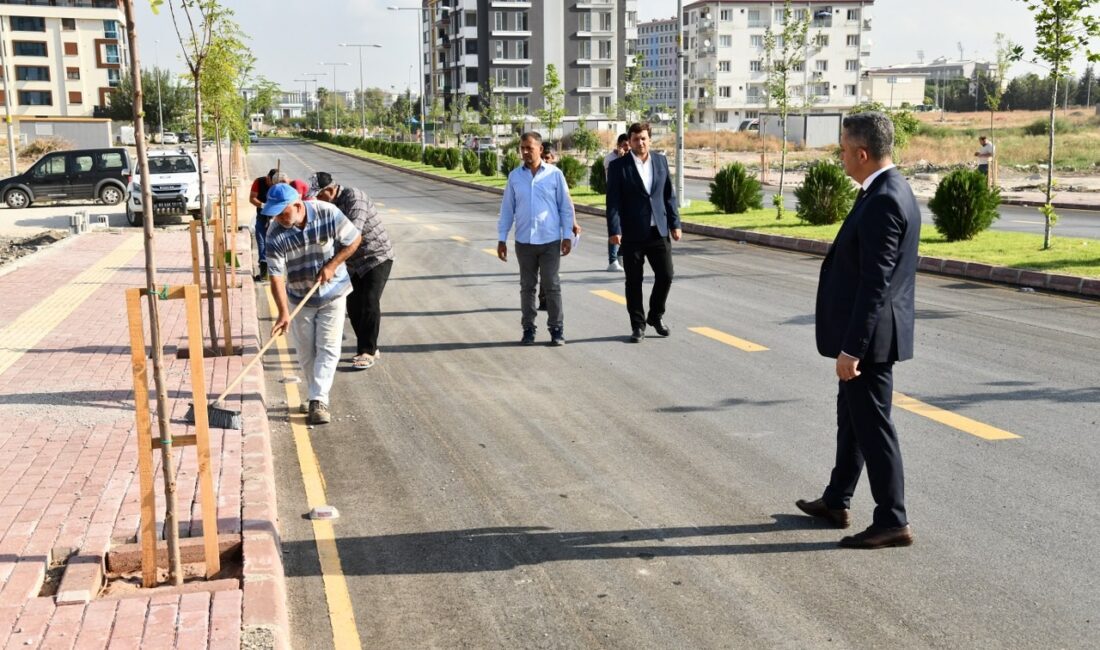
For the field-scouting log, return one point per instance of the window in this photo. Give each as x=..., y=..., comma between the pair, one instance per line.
x=75, y=97
x=471, y=46
x=853, y=40
x=584, y=22
x=471, y=19
x=725, y=40
x=799, y=66
x=110, y=160
x=726, y=15
x=605, y=78
x=110, y=29
x=779, y=16
x=521, y=50
x=605, y=50
x=725, y=91
x=853, y=14
x=471, y=75
x=605, y=22
x=498, y=20
x=755, y=20
x=498, y=49
x=52, y=166
x=723, y=66
x=799, y=15
x=111, y=53
x=584, y=50
x=82, y=163
x=757, y=40
x=113, y=78
x=849, y=90
x=851, y=65
x=523, y=103
x=722, y=116
x=756, y=66
x=32, y=73
x=584, y=105
x=29, y=48
x=523, y=78
x=585, y=78
x=72, y=74
x=821, y=66
x=35, y=98
x=27, y=24
x=822, y=40
x=70, y=49
x=68, y=24
x=605, y=104
x=500, y=78
x=521, y=21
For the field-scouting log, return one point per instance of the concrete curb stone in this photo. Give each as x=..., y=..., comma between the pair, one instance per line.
x=1067, y=284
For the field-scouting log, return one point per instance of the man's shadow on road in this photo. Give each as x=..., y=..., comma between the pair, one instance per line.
x=505, y=548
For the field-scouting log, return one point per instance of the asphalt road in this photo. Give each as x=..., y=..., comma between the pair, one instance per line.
x=1071, y=223
x=609, y=495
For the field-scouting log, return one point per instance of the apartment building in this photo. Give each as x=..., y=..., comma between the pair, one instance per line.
x=726, y=61
x=506, y=45
x=63, y=56
x=657, y=44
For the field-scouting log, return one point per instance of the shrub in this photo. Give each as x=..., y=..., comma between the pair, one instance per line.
x=439, y=157
x=826, y=195
x=573, y=170
x=964, y=205
x=487, y=162
x=427, y=155
x=453, y=158
x=41, y=147
x=469, y=161
x=1042, y=126
x=597, y=178
x=509, y=162
x=733, y=191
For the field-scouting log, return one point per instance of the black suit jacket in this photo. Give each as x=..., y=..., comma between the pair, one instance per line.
x=630, y=209
x=865, y=297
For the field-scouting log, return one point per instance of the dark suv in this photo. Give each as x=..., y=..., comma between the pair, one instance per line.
x=71, y=175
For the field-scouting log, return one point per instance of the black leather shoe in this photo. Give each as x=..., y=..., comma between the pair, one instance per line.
x=817, y=508
x=875, y=537
x=528, y=336
x=637, y=335
x=659, y=325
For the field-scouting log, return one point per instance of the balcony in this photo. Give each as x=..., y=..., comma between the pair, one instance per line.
x=706, y=50
x=755, y=100
x=511, y=4
x=510, y=33
x=594, y=4
x=511, y=61
x=758, y=24
x=705, y=25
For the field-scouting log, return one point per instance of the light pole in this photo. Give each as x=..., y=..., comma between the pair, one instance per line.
x=362, y=104
x=7, y=101
x=680, y=58
x=420, y=63
x=317, y=85
x=335, y=103
x=305, y=98
x=160, y=104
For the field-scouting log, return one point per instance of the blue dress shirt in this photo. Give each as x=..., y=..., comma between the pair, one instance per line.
x=538, y=204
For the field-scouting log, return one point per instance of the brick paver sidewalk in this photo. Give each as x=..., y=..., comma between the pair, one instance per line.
x=68, y=462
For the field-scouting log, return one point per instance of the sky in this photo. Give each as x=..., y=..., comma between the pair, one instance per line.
x=290, y=39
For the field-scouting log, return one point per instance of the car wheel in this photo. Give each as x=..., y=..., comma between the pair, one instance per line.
x=17, y=199
x=111, y=195
x=134, y=218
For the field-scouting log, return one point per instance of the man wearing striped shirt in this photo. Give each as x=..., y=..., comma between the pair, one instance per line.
x=536, y=201
x=307, y=243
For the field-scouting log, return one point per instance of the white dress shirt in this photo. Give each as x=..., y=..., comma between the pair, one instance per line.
x=645, y=170
x=871, y=179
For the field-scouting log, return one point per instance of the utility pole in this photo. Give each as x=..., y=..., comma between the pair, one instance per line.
x=422, y=15
x=316, y=85
x=160, y=104
x=335, y=99
x=680, y=58
x=7, y=101
x=362, y=104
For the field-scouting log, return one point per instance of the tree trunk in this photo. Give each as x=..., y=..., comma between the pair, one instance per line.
x=202, y=218
x=175, y=573
x=782, y=165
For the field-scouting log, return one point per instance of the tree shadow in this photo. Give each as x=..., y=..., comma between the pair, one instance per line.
x=728, y=403
x=453, y=312
x=478, y=550
x=1051, y=395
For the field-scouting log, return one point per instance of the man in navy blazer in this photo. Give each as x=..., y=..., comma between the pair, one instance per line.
x=642, y=215
x=864, y=320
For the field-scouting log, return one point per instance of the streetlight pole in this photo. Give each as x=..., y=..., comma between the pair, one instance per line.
x=317, y=84
x=7, y=101
x=335, y=101
x=362, y=104
x=305, y=96
x=160, y=104
x=420, y=62
x=680, y=58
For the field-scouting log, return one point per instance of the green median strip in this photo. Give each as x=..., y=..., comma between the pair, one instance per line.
x=1068, y=256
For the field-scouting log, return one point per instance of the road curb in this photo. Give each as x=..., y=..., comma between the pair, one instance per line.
x=1023, y=278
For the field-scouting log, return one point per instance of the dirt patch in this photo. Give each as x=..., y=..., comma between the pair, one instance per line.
x=232, y=568
x=12, y=248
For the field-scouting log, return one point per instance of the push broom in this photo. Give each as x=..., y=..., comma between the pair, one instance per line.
x=223, y=418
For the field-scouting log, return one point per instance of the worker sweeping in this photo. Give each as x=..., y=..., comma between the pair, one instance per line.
x=307, y=246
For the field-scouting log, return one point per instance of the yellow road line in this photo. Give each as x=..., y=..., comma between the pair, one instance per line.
x=728, y=339
x=36, y=323
x=460, y=239
x=953, y=420
x=490, y=251
x=1033, y=223
x=609, y=295
x=340, y=611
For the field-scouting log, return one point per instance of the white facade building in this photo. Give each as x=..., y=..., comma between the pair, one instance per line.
x=726, y=62
x=657, y=44
x=64, y=57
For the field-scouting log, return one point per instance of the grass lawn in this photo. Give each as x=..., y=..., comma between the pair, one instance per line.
x=1017, y=250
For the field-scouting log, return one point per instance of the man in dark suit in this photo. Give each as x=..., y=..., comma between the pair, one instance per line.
x=642, y=214
x=865, y=311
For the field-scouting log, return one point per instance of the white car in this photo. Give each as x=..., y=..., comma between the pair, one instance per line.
x=175, y=179
x=170, y=138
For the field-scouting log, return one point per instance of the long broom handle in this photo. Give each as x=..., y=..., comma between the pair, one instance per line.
x=270, y=342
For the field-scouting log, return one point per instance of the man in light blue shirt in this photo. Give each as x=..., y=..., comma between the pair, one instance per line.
x=536, y=201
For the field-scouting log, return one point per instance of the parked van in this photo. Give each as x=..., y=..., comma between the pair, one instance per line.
x=71, y=175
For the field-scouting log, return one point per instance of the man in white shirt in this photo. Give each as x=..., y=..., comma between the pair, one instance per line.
x=985, y=154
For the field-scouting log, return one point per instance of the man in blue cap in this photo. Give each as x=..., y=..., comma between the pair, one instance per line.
x=307, y=243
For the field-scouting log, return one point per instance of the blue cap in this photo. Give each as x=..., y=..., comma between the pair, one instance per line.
x=278, y=197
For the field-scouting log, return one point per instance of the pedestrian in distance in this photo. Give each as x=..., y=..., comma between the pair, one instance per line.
x=642, y=216
x=369, y=267
x=537, y=202
x=308, y=243
x=551, y=158
x=257, y=195
x=622, y=148
x=985, y=154
x=864, y=320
